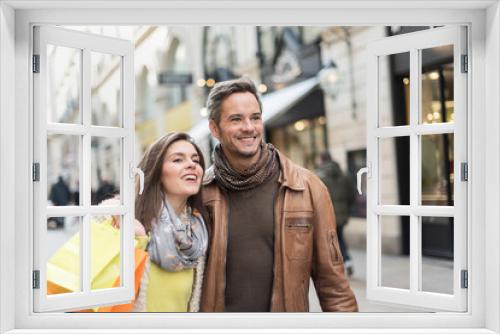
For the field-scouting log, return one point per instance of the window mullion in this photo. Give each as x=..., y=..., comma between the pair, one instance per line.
x=415, y=86
x=127, y=122
x=419, y=210
x=86, y=172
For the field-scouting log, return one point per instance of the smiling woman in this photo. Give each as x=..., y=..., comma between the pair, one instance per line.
x=170, y=209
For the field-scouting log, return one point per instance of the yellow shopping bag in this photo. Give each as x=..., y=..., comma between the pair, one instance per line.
x=63, y=268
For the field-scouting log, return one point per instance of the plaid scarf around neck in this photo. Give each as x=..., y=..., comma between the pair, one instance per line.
x=250, y=178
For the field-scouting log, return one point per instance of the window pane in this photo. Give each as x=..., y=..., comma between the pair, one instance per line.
x=63, y=84
x=437, y=170
x=106, y=172
x=437, y=254
x=105, y=249
x=64, y=260
x=395, y=266
x=400, y=96
x=394, y=160
x=437, y=85
x=106, y=77
x=63, y=169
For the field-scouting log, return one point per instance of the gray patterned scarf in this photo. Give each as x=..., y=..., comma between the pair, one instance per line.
x=177, y=243
x=250, y=178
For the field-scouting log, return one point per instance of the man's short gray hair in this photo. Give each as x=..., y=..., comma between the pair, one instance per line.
x=223, y=89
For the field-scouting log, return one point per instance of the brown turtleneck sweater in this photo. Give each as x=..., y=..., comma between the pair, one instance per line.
x=250, y=249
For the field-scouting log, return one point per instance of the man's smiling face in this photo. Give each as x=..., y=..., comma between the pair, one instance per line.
x=240, y=128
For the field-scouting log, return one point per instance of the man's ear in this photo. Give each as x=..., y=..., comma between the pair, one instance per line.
x=214, y=129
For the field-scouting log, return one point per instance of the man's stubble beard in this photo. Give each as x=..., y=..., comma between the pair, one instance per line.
x=245, y=155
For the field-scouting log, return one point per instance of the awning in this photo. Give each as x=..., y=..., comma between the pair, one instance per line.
x=273, y=105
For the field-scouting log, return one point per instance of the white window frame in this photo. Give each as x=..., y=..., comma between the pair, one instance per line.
x=86, y=44
x=413, y=43
x=483, y=17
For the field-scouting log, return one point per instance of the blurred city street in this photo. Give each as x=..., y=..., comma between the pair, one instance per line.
x=436, y=270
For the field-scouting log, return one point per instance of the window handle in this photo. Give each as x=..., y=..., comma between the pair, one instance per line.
x=137, y=171
x=364, y=170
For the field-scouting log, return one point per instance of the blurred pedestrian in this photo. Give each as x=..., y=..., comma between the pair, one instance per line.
x=341, y=190
x=76, y=194
x=105, y=191
x=60, y=195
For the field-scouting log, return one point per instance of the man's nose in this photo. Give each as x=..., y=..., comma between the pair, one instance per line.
x=248, y=125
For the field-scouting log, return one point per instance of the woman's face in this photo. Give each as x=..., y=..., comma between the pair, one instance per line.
x=181, y=172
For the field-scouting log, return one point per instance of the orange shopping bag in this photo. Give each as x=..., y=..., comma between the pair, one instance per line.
x=140, y=261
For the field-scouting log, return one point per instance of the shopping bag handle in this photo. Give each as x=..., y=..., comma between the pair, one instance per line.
x=137, y=171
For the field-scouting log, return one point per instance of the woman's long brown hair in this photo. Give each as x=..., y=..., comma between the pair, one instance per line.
x=148, y=205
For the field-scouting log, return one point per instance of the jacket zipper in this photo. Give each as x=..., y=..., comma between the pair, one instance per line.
x=225, y=249
x=277, y=200
x=304, y=297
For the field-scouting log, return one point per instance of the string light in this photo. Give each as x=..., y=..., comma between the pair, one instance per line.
x=299, y=125
x=210, y=82
x=201, y=82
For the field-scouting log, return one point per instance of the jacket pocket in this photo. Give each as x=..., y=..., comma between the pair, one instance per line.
x=298, y=238
x=335, y=248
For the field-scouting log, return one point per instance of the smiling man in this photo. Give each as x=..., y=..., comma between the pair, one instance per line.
x=272, y=223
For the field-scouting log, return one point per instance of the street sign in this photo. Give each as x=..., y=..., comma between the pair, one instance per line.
x=172, y=78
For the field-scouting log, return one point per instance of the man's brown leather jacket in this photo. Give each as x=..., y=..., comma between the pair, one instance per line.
x=305, y=245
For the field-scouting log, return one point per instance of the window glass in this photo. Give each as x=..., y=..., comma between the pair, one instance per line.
x=63, y=84
x=105, y=250
x=437, y=105
x=64, y=255
x=386, y=98
x=106, y=173
x=437, y=170
x=106, y=81
x=395, y=266
x=437, y=254
x=394, y=158
x=63, y=169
